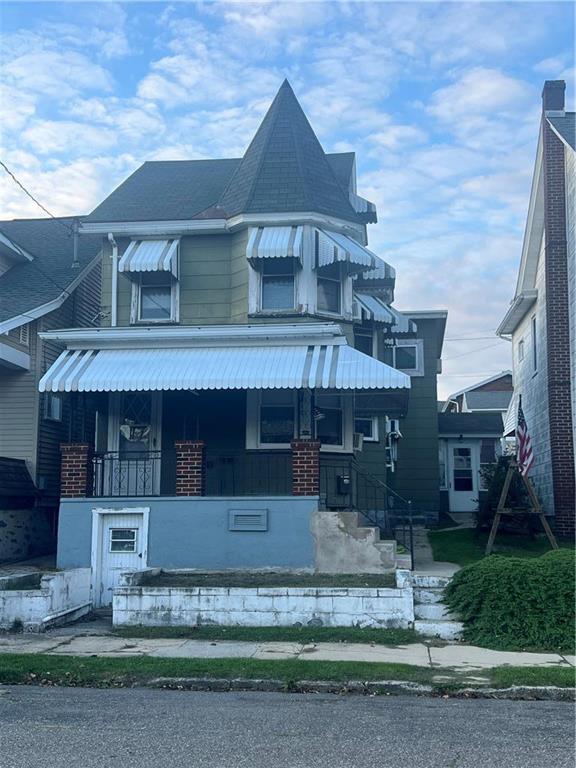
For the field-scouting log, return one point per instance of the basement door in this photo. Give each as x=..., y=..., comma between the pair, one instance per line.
x=463, y=463
x=121, y=545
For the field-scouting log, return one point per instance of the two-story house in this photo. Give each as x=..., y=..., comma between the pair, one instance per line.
x=251, y=377
x=48, y=280
x=541, y=320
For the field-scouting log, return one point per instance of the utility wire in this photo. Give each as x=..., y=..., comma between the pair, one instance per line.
x=471, y=352
x=31, y=196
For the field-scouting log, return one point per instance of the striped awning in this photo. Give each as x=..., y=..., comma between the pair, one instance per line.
x=274, y=243
x=381, y=271
x=150, y=256
x=373, y=308
x=320, y=366
x=335, y=248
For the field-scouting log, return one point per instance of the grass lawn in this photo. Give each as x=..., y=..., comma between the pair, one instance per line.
x=268, y=579
x=280, y=634
x=124, y=672
x=466, y=546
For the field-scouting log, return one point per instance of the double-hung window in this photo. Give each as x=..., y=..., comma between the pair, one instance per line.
x=367, y=426
x=364, y=339
x=156, y=300
x=278, y=284
x=329, y=289
x=277, y=421
x=406, y=356
x=329, y=419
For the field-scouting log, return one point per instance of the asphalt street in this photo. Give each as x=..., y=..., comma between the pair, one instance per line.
x=125, y=728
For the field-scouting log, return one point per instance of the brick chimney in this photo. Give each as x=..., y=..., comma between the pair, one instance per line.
x=553, y=95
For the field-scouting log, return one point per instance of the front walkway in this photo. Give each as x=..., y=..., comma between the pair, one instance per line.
x=98, y=641
x=424, y=563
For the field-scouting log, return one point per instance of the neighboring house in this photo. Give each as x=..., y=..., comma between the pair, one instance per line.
x=252, y=382
x=467, y=443
x=40, y=289
x=492, y=395
x=541, y=320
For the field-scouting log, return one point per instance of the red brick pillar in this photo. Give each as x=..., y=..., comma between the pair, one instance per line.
x=75, y=470
x=189, y=467
x=305, y=468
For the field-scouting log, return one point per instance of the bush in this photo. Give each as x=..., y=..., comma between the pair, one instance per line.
x=517, y=604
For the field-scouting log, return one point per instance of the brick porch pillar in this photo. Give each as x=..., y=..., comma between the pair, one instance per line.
x=189, y=467
x=75, y=470
x=305, y=468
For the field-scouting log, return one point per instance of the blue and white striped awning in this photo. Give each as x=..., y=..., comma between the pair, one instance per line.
x=381, y=271
x=274, y=243
x=372, y=308
x=305, y=366
x=335, y=248
x=150, y=256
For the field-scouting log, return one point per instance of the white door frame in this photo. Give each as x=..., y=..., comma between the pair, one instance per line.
x=474, y=467
x=98, y=521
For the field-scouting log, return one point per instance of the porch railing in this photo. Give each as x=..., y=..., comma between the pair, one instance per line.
x=126, y=474
x=242, y=473
x=344, y=484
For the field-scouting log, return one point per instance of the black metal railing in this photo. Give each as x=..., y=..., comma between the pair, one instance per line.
x=345, y=484
x=127, y=474
x=246, y=473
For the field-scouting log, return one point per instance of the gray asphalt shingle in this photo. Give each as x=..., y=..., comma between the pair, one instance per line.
x=31, y=284
x=566, y=127
x=470, y=424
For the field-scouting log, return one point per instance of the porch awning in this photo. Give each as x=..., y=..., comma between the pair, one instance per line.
x=274, y=243
x=150, y=256
x=320, y=366
x=334, y=248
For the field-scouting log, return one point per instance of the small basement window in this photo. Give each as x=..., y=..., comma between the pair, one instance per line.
x=123, y=539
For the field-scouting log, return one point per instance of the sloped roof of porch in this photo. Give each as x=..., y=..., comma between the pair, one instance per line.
x=305, y=356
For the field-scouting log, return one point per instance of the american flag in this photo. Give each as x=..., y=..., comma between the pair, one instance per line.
x=525, y=455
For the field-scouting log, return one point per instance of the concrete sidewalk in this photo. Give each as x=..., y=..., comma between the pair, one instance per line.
x=462, y=657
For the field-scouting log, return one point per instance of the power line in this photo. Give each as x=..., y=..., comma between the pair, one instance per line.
x=473, y=351
x=31, y=196
x=470, y=338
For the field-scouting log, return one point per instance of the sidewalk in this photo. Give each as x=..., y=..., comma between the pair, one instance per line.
x=102, y=643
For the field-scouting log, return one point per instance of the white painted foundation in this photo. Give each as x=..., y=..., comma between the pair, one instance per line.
x=263, y=606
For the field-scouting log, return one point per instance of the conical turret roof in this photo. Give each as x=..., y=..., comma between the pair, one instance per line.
x=285, y=168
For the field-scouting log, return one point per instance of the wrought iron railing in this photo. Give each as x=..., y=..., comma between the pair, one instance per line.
x=345, y=484
x=246, y=473
x=127, y=474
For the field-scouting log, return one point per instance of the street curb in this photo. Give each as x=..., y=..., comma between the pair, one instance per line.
x=362, y=688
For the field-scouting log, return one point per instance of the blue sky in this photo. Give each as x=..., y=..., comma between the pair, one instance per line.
x=440, y=101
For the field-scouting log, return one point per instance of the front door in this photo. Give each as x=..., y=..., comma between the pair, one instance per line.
x=133, y=467
x=463, y=479
x=121, y=546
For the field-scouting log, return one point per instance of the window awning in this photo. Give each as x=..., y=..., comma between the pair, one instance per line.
x=151, y=256
x=334, y=248
x=274, y=243
x=318, y=366
x=372, y=308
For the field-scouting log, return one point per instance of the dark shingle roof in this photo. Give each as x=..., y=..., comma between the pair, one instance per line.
x=285, y=168
x=470, y=424
x=488, y=400
x=28, y=285
x=566, y=127
x=167, y=190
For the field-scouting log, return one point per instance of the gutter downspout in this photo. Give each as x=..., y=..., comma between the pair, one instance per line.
x=114, y=299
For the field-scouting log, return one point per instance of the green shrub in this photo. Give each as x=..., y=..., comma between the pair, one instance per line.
x=517, y=604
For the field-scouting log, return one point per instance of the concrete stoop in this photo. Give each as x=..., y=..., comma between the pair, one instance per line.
x=432, y=617
x=343, y=545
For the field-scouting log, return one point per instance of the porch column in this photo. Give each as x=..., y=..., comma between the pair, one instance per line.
x=75, y=470
x=305, y=468
x=189, y=467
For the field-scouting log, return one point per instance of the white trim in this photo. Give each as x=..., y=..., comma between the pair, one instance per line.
x=419, y=345
x=176, y=226
x=375, y=438
x=103, y=338
x=98, y=517
x=44, y=309
x=13, y=358
x=534, y=230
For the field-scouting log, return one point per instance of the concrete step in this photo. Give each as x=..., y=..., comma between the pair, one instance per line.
x=429, y=581
x=445, y=630
x=423, y=595
x=404, y=561
x=433, y=612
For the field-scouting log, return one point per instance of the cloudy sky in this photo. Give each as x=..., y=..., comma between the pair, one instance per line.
x=440, y=102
